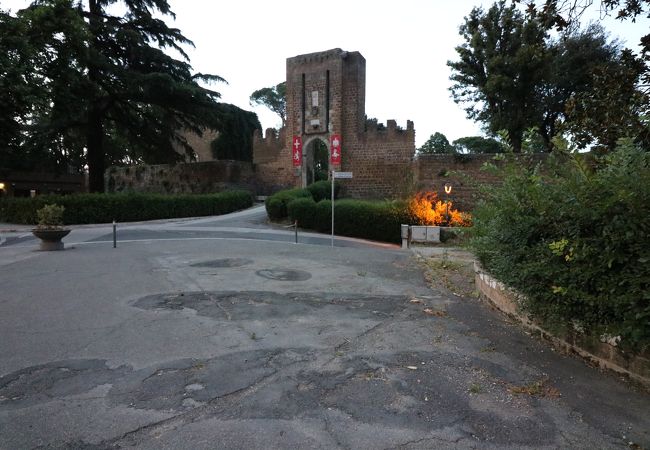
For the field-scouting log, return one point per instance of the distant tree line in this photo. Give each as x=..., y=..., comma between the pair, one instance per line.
x=439, y=144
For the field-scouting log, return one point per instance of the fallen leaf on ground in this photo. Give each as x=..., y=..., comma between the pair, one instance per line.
x=537, y=388
x=434, y=312
x=416, y=300
x=412, y=367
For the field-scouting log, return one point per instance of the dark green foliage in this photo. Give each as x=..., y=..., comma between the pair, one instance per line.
x=103, y=208
x=100, y=89
x=375, y=220
x=302, y=210
x=322, y=190
x=501, y=64
x=311, y=207
x=236, y=127
x=556, y=14
x=478, y=144
x=274, y=98
x=514, y=76
x=574, y=241
x=276, y=204
x=437, y=143
x=317, y=161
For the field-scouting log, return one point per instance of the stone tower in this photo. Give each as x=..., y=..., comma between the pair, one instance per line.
x=325, y=98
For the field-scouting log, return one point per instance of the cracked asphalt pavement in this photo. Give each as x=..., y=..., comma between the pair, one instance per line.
x=245, y=343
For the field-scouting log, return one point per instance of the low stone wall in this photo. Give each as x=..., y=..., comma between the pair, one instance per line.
x=604, y=354
x=184, y=178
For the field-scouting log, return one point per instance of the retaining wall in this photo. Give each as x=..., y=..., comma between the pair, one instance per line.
x=599, y=351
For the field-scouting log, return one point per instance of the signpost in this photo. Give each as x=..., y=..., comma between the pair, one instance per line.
x=337, y=175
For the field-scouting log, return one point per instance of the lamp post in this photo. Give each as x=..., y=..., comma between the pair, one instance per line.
x=447, y=192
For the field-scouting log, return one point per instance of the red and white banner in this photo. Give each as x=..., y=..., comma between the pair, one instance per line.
x=335, y=149
x=296, y=151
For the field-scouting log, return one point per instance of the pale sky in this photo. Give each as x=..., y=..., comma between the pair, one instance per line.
x=406, y=44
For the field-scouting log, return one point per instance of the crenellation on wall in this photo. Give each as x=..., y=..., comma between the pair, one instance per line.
x=326, y=97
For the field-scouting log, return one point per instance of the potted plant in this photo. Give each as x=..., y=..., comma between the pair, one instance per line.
x=50, y=227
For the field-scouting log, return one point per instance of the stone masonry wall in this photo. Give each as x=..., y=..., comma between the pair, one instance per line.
x=381, y=162
x=183, y=178
x=272, y=158
x=465, y=173
x=326, y=96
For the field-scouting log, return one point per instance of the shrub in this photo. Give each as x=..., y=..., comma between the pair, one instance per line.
x=103, y=208
x=50, y=216
x=322, y=190
x=302, y=210
x=573, y=239
x=376, y=220
x=276, y=204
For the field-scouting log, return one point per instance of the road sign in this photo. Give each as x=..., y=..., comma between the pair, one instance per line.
x=296, y=151
x=335, y=175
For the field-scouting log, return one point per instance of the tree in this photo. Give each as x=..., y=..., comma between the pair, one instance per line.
x=478, y=144
x=565, y=15
x=619, y=104
x=515, y=78
x=236, y=127
x=573, y=61
x=614, y=108
x=109, y=90
x=22, y=94
x=274, y=98
x=500, y=66
x=436, y=144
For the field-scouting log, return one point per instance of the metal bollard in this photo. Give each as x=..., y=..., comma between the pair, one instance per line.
x=114, y=234
x=295, y=225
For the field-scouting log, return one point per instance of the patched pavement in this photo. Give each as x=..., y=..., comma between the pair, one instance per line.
x=203, y=344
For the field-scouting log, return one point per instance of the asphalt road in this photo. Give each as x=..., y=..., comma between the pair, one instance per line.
x=184, y=337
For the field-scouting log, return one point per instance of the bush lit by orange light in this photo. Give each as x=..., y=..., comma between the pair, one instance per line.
x=428, y=210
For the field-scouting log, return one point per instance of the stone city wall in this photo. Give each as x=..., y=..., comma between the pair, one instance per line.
x=183, y=178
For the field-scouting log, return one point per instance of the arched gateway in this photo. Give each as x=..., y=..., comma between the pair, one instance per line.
x=326, y=110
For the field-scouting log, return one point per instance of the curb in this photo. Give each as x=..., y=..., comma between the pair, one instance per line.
x=604, y=355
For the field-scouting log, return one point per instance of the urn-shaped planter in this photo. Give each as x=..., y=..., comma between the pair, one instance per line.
x=50, y=227
x=51, y=239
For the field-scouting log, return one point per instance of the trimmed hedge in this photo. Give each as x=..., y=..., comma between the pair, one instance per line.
x=103, y=208
x=276, y=204
x=322, y=190
x=376, y=220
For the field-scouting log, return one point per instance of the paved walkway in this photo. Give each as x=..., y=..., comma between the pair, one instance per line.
x=187, y=337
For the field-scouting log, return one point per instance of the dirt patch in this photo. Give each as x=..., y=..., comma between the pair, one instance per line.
x=225, y=262
x=284, y=274
x=453, y=276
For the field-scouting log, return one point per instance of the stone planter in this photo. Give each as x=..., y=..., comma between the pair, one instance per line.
x=50, y=239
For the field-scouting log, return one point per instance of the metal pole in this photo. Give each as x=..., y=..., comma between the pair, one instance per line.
x=295, y=224
x=114, y=234
x=332, y=198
